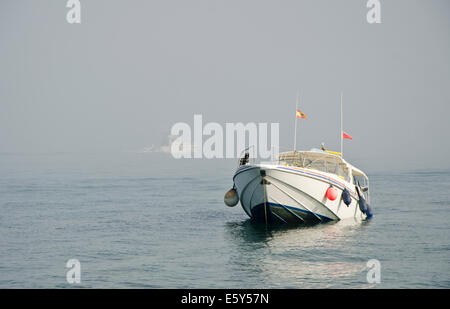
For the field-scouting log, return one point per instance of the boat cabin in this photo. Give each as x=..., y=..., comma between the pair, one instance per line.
x=323, y=161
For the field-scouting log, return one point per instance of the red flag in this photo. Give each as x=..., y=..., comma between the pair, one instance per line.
x=345, y=135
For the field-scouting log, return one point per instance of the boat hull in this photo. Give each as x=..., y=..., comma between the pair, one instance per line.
x=284, y=194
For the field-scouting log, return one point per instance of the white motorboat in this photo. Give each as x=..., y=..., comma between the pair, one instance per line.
x=301, y=187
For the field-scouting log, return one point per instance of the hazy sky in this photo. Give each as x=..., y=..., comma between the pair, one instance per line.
x=119, y=80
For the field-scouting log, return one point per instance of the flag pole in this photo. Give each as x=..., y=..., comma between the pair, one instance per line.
x=295, y=131
x=342, y=129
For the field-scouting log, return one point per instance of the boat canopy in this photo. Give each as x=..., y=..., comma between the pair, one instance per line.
x=317, y=159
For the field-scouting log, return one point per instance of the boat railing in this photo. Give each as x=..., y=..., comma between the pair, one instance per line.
x=279, y=155
x=249, y=155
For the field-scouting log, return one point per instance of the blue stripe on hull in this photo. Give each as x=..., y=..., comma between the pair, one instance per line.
x=278, y=213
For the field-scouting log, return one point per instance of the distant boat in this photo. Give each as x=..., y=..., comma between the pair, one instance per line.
x=300, y=187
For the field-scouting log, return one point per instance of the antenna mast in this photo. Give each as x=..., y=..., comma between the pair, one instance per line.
x=342, y=129
x=295, y=132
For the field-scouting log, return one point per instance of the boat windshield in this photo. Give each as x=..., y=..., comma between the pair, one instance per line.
x=317, y=161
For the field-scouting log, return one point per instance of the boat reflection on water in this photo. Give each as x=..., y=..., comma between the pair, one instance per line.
x=320, y=256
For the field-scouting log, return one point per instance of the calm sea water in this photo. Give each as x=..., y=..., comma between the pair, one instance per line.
x=147, y=221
